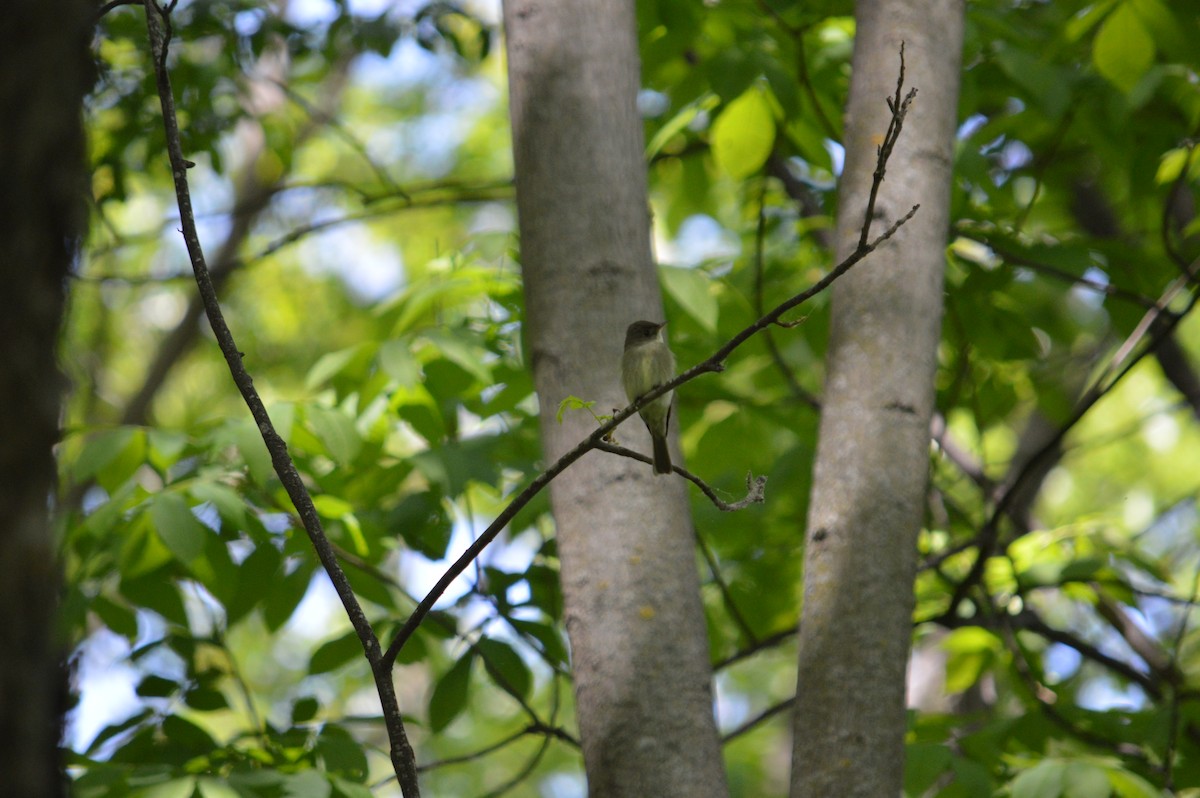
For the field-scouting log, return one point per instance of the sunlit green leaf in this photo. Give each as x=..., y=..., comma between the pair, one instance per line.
x=1043, y=780
x=1123, y=49
x=743, y=134
x=693, y=290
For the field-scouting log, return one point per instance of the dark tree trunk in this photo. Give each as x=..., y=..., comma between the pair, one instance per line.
x=45, y=70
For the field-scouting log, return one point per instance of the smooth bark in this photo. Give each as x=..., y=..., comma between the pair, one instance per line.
x=872, y=461
x=630, y=585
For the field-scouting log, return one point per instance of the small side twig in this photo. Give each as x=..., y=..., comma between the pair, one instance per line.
x=755, y=486
x=762, y=717
x=899, y=107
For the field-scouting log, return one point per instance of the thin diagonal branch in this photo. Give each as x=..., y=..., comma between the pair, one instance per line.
x=1157, y=323
x=752, y=723
x=715, y=363
x=403, y=758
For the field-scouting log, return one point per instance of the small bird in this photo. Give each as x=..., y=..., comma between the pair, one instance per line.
x=647, y=363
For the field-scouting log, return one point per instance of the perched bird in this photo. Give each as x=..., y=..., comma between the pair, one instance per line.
x=647, y=363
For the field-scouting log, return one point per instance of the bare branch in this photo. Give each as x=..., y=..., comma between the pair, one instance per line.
x=403, y=758
x=755, y=486
x=762, y=717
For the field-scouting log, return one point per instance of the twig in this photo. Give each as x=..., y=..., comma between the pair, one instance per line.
x=715, y=568
x=111, y=4
x=752, y=723
x=1031, y=621
x=402, y=756
x=1168, y=763
x=1038, y=692
x=1153, y=327
x=760, y=234
x=1169, y=207
x=770, y=641
x=471, y=757
x=523, y=773
x=899, y=107
x=755, y=486
x=1108, y=289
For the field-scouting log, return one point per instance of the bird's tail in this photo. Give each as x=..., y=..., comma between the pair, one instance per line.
x=662, y=456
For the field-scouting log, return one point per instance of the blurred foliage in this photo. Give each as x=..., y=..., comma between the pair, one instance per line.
x=357, y=166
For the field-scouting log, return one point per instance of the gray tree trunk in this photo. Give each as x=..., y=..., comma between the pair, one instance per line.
x=45, y=70
x=630, y=585
x=872, y=462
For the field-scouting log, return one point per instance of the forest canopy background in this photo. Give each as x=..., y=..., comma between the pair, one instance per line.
x=353, y=188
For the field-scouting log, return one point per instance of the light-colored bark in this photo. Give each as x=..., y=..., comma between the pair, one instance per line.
x=872, y=461
x=631, y=590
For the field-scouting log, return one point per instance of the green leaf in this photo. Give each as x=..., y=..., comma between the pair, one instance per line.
x=1169, y=35
x=175, y=788
x=305, y=709
x=1131, y=785
x=210, y=787
x=743, y=134
x=420, y=520
x=398, y=362
x=186, y=739
x=335, y=653
x=308, y=784
x=1085, y=780
x=693, y=290
x=1174, y=161
x=156, y=591
x=1123, y=49
x=972, y=650
x=206, y=699
x=116, y=617
x=1087, y=19
x=178, y=527
x=678, y=123
x=341, y=753
x=505, y=666
x=1046, y=84
x=123, y=446
x=108, y=732
x=463, y=352
x=331, y=507
x=348, y=789
x=449, y=696
x=228, y=502
x=336, y=432
x=285, y=595
x=923, y=764
x=255, y=580
x=165, y=446
x=332, y=364
x=1043, y=780
x=157, y=687
x=552, y=642
x=243, y=434
x=414, y=650
x=571, y=403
